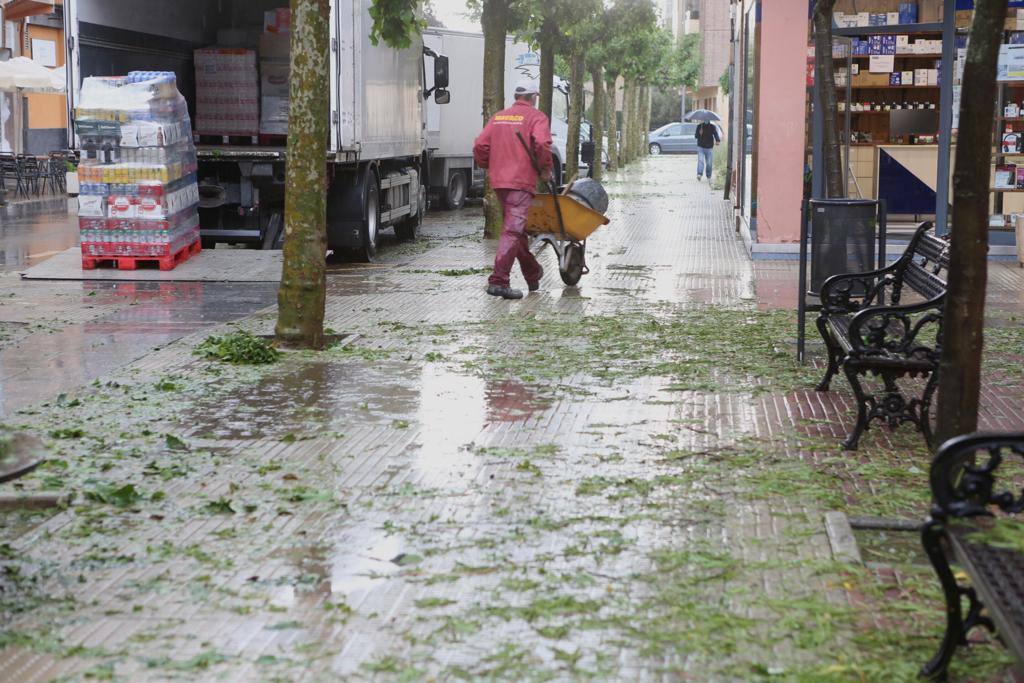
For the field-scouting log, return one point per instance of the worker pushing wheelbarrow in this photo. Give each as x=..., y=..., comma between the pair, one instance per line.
x=565, y=221
x=515, y=148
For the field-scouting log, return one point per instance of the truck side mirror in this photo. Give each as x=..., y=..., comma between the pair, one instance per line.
x=440, y=72
x=442, y=96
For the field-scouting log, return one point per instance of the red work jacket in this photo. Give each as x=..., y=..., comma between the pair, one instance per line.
x=499, y=150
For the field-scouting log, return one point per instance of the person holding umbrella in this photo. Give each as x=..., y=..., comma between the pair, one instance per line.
x=707, y=137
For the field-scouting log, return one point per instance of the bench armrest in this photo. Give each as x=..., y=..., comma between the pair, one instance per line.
x=898, y=330
x=963, y=477
x=850, y=292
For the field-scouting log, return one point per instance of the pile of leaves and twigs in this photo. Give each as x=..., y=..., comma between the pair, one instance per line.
x=238, y=348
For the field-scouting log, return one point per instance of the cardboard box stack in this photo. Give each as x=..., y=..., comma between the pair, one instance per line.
x=138, y=194
x=227, y=92
x=275, y=50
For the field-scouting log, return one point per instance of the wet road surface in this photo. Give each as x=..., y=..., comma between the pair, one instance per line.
x=624, y=480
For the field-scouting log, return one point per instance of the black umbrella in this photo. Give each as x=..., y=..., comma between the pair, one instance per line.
x=703, y=115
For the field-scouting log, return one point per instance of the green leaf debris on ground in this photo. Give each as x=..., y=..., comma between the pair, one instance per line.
x=240, y=348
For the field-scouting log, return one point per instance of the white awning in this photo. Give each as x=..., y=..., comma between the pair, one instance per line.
x=22, y=73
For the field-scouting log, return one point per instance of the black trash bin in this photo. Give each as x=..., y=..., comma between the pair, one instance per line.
x=844, y=238
x=839, y=236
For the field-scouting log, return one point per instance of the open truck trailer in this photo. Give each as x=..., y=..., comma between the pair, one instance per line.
x=377, y=160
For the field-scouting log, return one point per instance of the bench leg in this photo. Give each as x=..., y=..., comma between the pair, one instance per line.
x=957, y=627
x=835, y=355
x=924, y=407
x=864, y=402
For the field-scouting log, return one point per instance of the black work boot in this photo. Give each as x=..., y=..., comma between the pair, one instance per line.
x=504, y=292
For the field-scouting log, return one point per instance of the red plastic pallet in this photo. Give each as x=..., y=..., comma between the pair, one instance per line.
x=132, y=262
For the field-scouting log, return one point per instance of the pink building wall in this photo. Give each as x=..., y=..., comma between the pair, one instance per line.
x=781, y=117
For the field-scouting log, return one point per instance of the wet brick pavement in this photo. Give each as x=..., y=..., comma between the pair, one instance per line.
x=393, y=509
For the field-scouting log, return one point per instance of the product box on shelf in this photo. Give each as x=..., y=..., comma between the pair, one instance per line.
x=869, y=80
x=907, y=77
x=1006, y=176
x=1010, y=143
x=908, y=13
x=895, y=79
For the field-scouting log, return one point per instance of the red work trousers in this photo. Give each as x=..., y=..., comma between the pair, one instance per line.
x=514, y=244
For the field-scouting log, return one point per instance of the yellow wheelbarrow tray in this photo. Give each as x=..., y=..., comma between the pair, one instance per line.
x=566, y=227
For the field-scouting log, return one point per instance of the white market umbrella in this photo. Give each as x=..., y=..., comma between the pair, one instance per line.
x=22, y=73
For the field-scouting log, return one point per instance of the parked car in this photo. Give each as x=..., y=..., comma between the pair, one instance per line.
x=675, y=138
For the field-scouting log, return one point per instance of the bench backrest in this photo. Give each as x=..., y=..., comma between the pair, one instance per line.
x=924, y=265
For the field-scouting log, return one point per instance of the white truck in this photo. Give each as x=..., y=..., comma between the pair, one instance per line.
x=377, y=153
x=451, y=130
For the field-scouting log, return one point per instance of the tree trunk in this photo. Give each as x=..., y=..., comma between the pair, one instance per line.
x=824, y=74
x=645, y=120
x=628, y=104
x=548, y=36
x=635, y=127
x=964, y=315
x=495, y=25
x=597, y=126
x=301, y=297
x=576, y=106
x=613, y=125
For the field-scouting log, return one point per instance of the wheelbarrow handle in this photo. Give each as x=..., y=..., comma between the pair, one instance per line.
x=551, y=183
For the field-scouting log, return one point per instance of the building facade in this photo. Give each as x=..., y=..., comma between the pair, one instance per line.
x=769, y=49
x=33, y=123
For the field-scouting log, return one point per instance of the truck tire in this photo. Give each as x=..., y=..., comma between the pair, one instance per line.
x=370, y=229
x=409, y=228
x=455, y=192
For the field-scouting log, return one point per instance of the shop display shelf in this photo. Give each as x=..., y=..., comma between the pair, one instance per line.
x=910, y=55
x=909, y=29
x=896, y=87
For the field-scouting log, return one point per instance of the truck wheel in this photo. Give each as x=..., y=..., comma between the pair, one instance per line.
x=410, y=227
x=371, y=220
x=455, y=193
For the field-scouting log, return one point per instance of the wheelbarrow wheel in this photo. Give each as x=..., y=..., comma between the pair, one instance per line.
x=571, y=268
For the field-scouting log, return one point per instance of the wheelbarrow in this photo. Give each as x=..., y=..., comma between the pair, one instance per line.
x=564, y=223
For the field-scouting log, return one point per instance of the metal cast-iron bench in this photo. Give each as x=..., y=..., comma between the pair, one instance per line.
x=865, y=335
x=968, y=497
